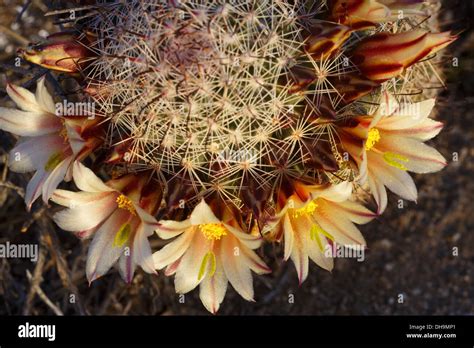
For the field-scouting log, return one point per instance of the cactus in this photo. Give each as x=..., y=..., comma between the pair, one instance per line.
x=249, y=120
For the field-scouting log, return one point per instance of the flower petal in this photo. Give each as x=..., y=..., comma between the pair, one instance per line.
x=379, y=192
x=317, y=255
x=168, y=229
x=340, y=227
x=421, y=158
x=55, y=178
x=33, y=153
x=212, y=289
x=202, y=214
x=299, y=254
x=86, y=180
x=102, y=253
x=396, y=180
x=337, y=193
x=172, y=251
x=34, y=187
x=43, y=98
x=23, y=98
x=27, y=123
x=353, y=211
x=186, y=278
x=235, y=267
x=82, y=217
x=254, y=262
x=250, y=241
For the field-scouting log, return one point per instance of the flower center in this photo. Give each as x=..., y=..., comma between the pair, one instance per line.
x=308, y=209
x=125, y=203
x=213, y=231
x=372, y=138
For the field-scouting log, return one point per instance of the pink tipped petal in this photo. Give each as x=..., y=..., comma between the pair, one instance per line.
x=288, y=237
x=235, y=267
x=172, y=251
x=353, y=211
x=72, y=199
x=76, y=142
x=27, y=123
x=420, y=158
x=411, y=114
x=186, y=278
x=146, y=218
x=86, y=216
x=341, y=228
x=402, y=126
x=43, y=98
x=379, y=192
x=168, y=229
x=396, y=180
x=299, y=254
x=86, y=180
x=142, y=250
x=126, y=266
x=34, y=187
x=317, y=255
x=55, y=178
x=171, y=269
x=254, y=262
x=212, y=290
x=337, y=193
x=24, y=99
x=102, y=252
x=250, y=241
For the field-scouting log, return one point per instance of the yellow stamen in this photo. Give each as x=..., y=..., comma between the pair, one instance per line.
x=205, y=260
x=372, y=138
x=213, y=231
x=314, y=234
x=124, y=202
x=53, y=161
x=63, y=134
x=309, y=209
x=391, y=159
x=122, y=236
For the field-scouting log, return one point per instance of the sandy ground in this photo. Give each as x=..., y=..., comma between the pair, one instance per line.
x=412, y=251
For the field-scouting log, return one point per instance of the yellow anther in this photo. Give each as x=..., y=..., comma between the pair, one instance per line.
x=393, y=159
x=314, y=235
x=213, y=231
x=209, y=257
x=372, y=138
x=124, y=202
x=309, y=209
x=122, y=236
x=53, y=161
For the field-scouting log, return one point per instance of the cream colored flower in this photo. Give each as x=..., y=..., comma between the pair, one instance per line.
x=119, y=223
x=48, y=145
x=313, y=220
x=210, y=252
x=390, y=143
